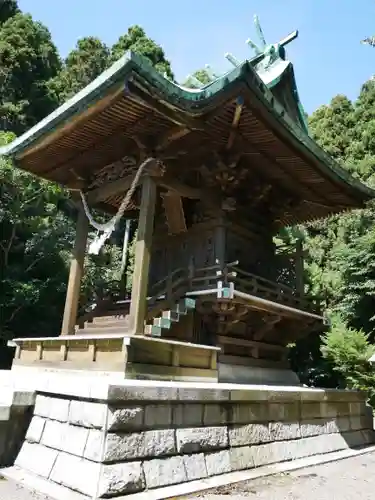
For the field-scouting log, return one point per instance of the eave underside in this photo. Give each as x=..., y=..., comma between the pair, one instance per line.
x=235, y=135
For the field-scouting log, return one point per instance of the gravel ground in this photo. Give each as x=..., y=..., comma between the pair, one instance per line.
x=11, y=491
x=350, y=479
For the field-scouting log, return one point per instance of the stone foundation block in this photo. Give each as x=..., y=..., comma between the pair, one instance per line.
x=284, y=412
x=121, y=447
x=241, y=435
x=357, y=408
x=246, y=413
x=52, y=408
x=264, y=454
x=76, y=473
x=203, y=395
x=121, y=479
x=201, y=439
x=195, y=466
x=340, y=409
x=310, y=411
x=215, y=414
x=158, y=416
x=150, y=392
x=124, y=419
x=36, y=458
x=65, y=437
x=86, y=414
x=188, y=415
x=164, y=472
x=35, y=430
x=283, y=431
x=356, y=423
x=218, y=463
x=241, y=458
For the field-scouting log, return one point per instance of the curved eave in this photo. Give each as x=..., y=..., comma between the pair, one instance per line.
x=133, y=71
x=281, y=73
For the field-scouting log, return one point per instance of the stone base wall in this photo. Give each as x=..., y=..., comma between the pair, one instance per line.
x=12, y=434
x=149, y=435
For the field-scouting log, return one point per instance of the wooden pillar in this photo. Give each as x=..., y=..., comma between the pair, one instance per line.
x=138, y=306
x=299, y=267
x=220, y=242
x=75, y=274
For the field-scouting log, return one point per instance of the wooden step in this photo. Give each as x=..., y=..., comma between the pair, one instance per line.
x=107, y=324
x=104, y=330
x=171, y=315
x=153, y=330
x=99, y=320
x=184, y=306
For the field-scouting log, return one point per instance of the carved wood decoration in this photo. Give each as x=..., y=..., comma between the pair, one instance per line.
x=114, y=171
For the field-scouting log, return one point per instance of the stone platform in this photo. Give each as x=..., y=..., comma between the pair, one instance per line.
x=104, y=438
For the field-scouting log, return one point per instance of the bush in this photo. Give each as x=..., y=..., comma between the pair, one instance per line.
x=349, y=351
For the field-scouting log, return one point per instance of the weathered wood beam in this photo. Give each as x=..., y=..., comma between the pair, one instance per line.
x=75, y=274
x=172, y=135
x=107, y=190
x=262, y=332
x=138, y=305
x=235, y=123
x=221, y=339
x=174, y=213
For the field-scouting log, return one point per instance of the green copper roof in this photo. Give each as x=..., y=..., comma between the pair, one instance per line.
x=132, y=68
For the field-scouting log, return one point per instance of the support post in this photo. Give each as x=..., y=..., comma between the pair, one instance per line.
x=75, y=274
x=299, y=267
x=138, y=306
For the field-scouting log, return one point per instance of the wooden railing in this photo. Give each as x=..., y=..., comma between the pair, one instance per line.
x=166, y=292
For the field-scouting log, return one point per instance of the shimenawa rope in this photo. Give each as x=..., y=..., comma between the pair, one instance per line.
x=108, y=227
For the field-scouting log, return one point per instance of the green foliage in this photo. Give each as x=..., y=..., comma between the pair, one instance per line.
x=202, y=75
x=8, y=8
x=33, y=237
x=341, y=250
x=37, y=219
x=28, y=60
x=137, y=41
x=348, y=350
x=83, y=64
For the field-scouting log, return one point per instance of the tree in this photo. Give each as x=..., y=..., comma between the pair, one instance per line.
x=348, y=350
x=8, y=8
x=28, y=60
x=136, y=40
x=332, y=127
x=202, y=75
x=83, y=64
x=34, y=237
x=341, y=250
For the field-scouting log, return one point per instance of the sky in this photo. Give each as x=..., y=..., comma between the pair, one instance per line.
x=327, y=56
